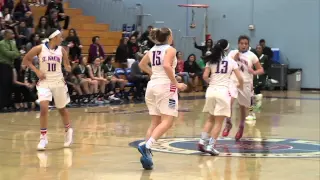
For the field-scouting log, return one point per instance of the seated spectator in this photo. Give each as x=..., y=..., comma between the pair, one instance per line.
x=61, y=16
x=96, y=50
x=122, y=52
x=22, y=91
x=9, y=4
x=3, y=27
x=43, y=27
x=95, y=73
x=72, y=83
x=133, y=47
x=39, y=2
x=21, y=9
x=204, y=49
x=10, y=22
x=266, y=50
x=53, y=20
x=75, y=45
x=146, y=39
x=22, y=35
x=193, y=70
x=109, y=74
x=28, y=18
x=180, y=68
x=82, y=75
x=34, y=41
x=139, y=79
x=30, y=77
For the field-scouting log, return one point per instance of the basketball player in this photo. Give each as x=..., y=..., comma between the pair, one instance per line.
x=161, y=94
x=51, y=83
x=218, y=99
x=246, y=60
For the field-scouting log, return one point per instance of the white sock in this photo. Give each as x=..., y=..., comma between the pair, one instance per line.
x=204, y=135
x=150, y=142
x=212, y=141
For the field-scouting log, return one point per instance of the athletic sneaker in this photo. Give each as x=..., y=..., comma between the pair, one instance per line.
x=227, y=129
x=68, y=138
x=113, y=98
x=202, y=144
x=239, y=134
x=43, y=143
x=258, y=99
x=211, y=150
x=146, y=158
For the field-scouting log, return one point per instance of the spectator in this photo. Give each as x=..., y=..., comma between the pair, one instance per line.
x=58, y=7
x=8, y=53
x=147, y=39
x=180, y=68
x=30, y=77
x=29, y=22
x=73, y=83
x=53, y=20
x=43, y=27
x=266, y=50
x=39, y=2
x=122, y=52
x=34, y=41
x=194, y=71
x=3, y=27
x=204, y=49
x=82, y=75
x=8, y=18
x=9, y=4
x=109, y=74
x=133, y=47
x=22, y=35
x=96, y=74
x=139, y=79
x=266, y=64
x=75, y=45
x=96, y=50
x=21, y=9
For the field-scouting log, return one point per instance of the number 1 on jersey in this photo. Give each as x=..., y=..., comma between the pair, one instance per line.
x=52, y=67
x=156, y=61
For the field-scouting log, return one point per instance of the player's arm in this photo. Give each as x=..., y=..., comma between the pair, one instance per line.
x=144, y=64
x=167, y=64
x=206, y=73
x=66, y=62
x=28, y=58
x=259, y=69
x=238, y=75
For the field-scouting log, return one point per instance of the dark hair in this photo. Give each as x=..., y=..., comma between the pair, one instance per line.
x=122, y=41
x=94, y=38
x=74, y=31
x=52, y=30
x=150, y=27
x=242, y=37
x=195, y=57
x=39, y=23
x=217, y=52
x=161, y=35
x=108, y=59
x=178, y=53
x=262, y=41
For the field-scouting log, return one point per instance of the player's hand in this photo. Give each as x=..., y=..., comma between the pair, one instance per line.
x=237, y=57
x=41, y=75
x=182, y=86
x=251, y=71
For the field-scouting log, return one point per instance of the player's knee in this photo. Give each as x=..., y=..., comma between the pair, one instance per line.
x=63, y=111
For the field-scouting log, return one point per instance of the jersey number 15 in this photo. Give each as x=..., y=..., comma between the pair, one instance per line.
x=156, y=60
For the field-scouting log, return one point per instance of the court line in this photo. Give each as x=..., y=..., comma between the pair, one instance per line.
x=267, y=97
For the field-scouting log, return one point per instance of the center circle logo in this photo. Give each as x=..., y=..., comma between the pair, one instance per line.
x=246, y=147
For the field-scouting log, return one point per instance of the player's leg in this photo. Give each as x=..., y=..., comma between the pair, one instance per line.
x=61, y=98
x=155, y=121
x=44, y=96
x=233, y=91
x=244, y=100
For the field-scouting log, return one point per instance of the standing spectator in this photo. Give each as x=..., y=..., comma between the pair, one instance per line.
x=57, y=5
x=122, y=52
x=21, y=9
x=204, y=49
x=180, y=68
x=34, y=41
x=75, y=45
x=266, y=50
x=43, y=27
x=8, y=52
x=96, y=50
x=194, y=71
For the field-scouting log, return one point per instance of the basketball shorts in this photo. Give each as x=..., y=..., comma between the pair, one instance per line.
x=244, y=96
x=233, y=90
x=162, y=99
x=218, y=101
x=56, y=90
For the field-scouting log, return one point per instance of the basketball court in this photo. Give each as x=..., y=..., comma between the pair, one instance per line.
x=282, y=144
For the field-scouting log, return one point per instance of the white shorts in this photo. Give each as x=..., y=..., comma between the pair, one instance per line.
x=56, y=90
x=218, y=101
x=233, y=90
x=244, y=97
x=162, y=99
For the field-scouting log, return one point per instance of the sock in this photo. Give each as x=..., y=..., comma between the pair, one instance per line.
x=150, y=142
x=212, y=141
x=241, y=123
x=67, y=126
x=204, y=135
x=43, y=131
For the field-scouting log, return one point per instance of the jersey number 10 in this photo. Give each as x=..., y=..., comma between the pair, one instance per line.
x=52, y=67
x=156, y=61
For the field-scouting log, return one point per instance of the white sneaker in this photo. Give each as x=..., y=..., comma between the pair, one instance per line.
x=43, y=143
x=68, y=138
x=209, y=149
x=113, y=98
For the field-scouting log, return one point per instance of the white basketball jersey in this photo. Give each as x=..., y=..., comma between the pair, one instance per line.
x=156, y=55
x=50, y=62
x=221, y=72
x=247, y=59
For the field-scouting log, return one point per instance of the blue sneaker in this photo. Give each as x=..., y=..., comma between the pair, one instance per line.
x=146, y=158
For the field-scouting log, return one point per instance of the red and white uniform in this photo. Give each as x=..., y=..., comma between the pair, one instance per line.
x=161, y=96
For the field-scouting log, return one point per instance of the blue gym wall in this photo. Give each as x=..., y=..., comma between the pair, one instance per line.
x=291, y=25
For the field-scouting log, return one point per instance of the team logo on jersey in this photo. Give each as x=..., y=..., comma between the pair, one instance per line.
x=247, y=147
